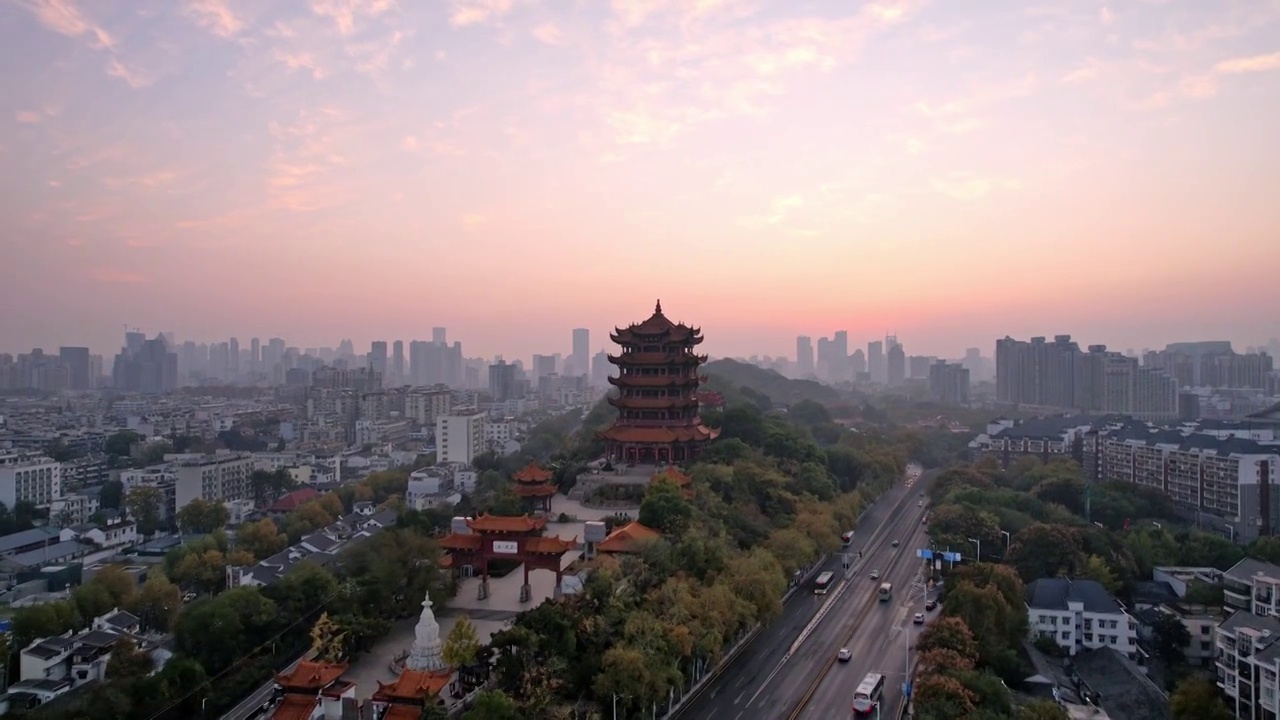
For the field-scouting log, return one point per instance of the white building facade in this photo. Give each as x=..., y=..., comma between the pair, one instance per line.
x=460, y=436
x=1080, y=615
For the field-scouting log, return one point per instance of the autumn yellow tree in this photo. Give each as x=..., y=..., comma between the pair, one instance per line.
x=462, y=645
x=328, y=640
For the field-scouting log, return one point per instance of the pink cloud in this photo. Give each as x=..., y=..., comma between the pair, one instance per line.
x=1256, y=63
x=216, y=16
x=475, y=12
x=27, y=117
x=64, y=17
x=548, y=33
x=345, y=14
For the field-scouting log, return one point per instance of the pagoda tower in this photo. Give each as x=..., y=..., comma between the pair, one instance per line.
x=535, y=485
x=657, y=399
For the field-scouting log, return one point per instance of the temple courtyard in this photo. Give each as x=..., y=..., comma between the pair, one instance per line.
x=489, y=615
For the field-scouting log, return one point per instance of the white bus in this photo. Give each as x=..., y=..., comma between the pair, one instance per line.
x=886, y=591
x=868, y=693
x=823, y=583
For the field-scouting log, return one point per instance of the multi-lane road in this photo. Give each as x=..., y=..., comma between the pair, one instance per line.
x=768, y=680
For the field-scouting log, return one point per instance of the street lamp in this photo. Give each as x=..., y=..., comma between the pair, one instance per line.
x=1232, y=529
x=1007, y=538
x=977, y=542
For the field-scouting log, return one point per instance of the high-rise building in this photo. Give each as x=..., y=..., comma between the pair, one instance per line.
x=377, y=359
x=255, y=354
x=233, y=359
x=949, y=383
x=840, y=356
x=875, y=362
x=1059, y=375
x=503, y=384
x=438, y=335
x=77, y=361
x=145, y=366
x=858, y=364
x=896, y=370
x=543, y=365
x=804, y=356
x=460, y=435
x=397, y=362
x=580, y=360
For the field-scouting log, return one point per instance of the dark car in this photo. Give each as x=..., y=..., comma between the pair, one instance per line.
x=931, y=605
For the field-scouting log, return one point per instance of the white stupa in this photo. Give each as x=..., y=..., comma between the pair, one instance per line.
x=425, y=652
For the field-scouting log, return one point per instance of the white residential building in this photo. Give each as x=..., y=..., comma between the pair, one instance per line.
x=497, y=433
x=220, y=477
x=1252, y=586
x=123, y=533
x=430, y=487
x=31, y=477
x=148, y=477
x=425, y=406
x=460, y=436
x=1079, y=615
x=75, y=509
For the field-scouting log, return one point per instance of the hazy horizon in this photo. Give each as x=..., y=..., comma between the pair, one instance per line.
x=512, y=169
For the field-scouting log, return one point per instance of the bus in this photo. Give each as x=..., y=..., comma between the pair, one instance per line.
x=886, y=591
x=823, y=583
x=868, y=693
x=847, y=538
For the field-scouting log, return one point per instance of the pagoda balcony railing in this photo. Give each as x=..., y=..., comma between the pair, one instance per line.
x=680, y=422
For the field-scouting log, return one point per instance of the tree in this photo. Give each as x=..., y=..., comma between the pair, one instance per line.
x=1170, y=638
x=202, y=516
x=157, y=602
x=143, y=505
x=327, y=640
x=261, y=539
x=493, y=705
x=1197, y=698
x=120, y=583
x=1096, y=569
x=948, y=633
x=111, y=494
x=128, y=662
x=462, y=645
x=1045, y=550
x=665, y=508
x=121, y=444
x=1042, y=709
x=92, y=600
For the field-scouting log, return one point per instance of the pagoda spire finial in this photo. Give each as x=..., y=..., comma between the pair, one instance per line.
x=657, y=308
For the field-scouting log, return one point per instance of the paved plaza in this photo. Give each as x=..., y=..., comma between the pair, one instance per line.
x=489, y=615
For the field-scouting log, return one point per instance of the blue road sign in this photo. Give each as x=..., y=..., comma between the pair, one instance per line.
x=951, y=556
x=906, y=689
x=926, y=554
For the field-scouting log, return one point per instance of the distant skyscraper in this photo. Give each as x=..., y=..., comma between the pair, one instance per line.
x=875, y=362
x=77, y=361
x=581, y=358
x=438, y=335
x=255, y=354
x=397, y=361
x=502, y=381
x=858, y=364
x=233, y=358
x=896, y=372
x=840, y=356
x=377, y=359
x=804, y=356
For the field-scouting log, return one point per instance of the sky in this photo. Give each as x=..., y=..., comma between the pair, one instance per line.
x=950, y=171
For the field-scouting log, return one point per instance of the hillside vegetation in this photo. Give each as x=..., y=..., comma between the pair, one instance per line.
x=745, y=381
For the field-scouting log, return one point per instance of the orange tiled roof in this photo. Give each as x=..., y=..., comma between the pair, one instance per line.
x=414, y=685
x=498, y=524
x=456, y=541
x=295, y=707
x=657, y=324
x=673, y=473
x=536, y=490
x=628, y=538
x=549, y=545
x=629, y=434
x=533, y=474
x=309, y=675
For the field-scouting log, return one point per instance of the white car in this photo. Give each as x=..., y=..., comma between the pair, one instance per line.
x=845, y=655
x=919, y=619
x=875, y=574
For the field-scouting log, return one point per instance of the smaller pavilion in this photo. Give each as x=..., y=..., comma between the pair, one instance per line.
x=535, y=486
x=309, y=686
x=629, y=538
x=674, y=474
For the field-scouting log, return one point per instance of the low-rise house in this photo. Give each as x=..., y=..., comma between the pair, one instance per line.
x=321, y=547
x=1079, y=615
x=81, y=658
x=120, y=533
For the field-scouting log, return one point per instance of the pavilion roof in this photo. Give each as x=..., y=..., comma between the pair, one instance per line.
x=533, y=473
x=414, y=685
x=311, y=676
x=628, y=538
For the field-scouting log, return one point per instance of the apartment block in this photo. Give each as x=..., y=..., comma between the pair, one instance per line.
x=219, y=477
x=31, y=477
x=424, y=406
x=949, y=383
x=1080, y=615
x=460, y=435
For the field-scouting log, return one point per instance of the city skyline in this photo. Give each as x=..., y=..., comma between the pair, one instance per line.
x=326, y=169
